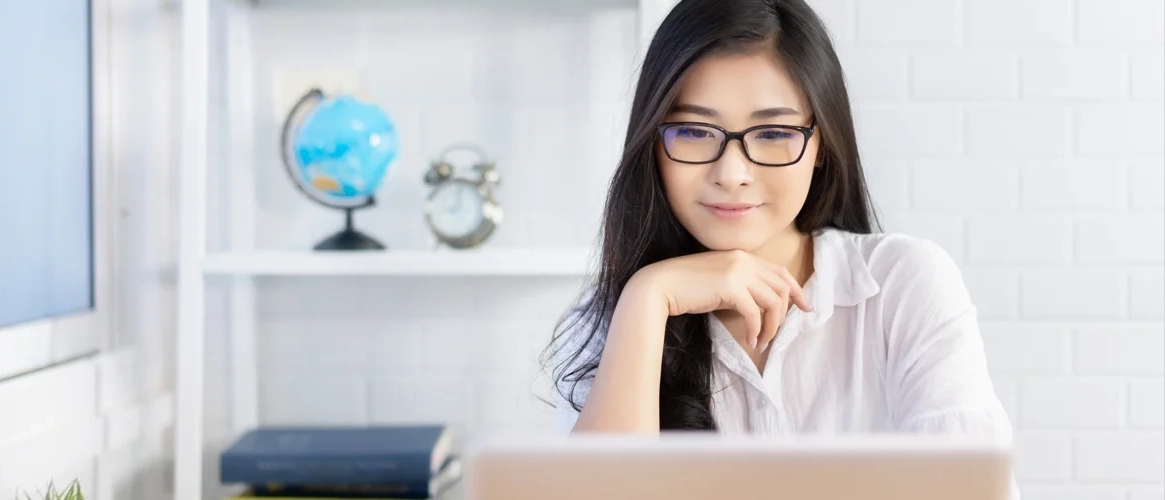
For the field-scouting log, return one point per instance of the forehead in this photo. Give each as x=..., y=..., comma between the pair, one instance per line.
x=738, y=84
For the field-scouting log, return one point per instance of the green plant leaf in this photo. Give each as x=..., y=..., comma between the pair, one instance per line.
x=72, y=492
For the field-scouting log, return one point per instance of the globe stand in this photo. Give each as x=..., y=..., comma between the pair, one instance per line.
x=349, y=238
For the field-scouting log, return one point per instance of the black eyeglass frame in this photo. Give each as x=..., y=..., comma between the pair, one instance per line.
x=806, y=132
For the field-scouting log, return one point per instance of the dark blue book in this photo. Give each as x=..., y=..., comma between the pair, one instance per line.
x=448, y=476
x=307, y=455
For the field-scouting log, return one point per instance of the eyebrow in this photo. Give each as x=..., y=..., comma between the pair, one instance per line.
x=758, y=114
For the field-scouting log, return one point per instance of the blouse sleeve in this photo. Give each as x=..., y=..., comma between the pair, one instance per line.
x=937, y=376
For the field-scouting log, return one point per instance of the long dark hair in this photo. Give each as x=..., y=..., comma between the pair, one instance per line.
x=639, y=227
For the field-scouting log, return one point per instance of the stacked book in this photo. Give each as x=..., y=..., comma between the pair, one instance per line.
x=374, y=462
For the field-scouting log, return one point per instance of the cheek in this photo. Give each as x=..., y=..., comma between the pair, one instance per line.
x=788, y=186
x=680, y=182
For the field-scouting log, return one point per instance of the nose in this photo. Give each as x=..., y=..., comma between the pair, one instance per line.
x=733, y=169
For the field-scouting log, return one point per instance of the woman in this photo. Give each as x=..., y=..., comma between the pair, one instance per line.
x=743, y=288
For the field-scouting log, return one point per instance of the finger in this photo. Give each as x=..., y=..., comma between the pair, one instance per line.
x=796, y=293
x=774, y=307
x=782, y=289
x=778, y=283
x=746, y=305
x=771, y=304
x=777, y=316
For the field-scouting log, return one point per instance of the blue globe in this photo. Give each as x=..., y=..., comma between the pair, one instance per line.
x=343, y=148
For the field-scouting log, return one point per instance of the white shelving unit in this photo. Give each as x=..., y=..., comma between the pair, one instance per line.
x=243, y=261
x=485, y=262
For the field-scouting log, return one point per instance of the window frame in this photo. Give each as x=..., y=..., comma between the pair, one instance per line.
x=42, y=343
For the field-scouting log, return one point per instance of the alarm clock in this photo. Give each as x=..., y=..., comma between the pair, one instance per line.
x=462, y=211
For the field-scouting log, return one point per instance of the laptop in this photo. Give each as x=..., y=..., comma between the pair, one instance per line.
x=709, y=466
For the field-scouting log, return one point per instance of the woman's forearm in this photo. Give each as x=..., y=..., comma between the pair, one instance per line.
x=624, y=397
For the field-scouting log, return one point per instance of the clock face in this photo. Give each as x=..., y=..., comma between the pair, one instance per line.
x=456, y=209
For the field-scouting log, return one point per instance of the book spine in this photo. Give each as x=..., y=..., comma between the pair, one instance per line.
x=259, y=469
x=413, y=490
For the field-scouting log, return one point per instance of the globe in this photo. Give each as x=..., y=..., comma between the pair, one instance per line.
x=337, y=150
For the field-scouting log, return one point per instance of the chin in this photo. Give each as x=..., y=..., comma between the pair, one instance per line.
x=723, y=242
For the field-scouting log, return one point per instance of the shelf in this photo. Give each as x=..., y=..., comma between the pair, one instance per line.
x=492, y=5
x=482, y=262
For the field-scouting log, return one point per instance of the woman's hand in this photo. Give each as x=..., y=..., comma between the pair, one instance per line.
x=719, y=280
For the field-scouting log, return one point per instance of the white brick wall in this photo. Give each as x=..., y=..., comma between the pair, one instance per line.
x=1026, y=23
x=1074, y=75
x=964, y=75
x=1033, y=133
x=73, y=421
x=1072, y=186
x=1025, y=136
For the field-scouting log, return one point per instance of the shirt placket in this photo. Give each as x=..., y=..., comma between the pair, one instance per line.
x=776, y=416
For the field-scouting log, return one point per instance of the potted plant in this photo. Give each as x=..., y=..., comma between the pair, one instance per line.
x=72, y=492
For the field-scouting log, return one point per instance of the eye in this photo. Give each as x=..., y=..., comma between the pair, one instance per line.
x=775, y=135
x=693, y=133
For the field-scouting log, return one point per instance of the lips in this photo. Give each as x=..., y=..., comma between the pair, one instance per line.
x=731, y=211
x=731, y=206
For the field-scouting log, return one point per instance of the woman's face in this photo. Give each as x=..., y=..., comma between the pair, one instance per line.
x=732, y=202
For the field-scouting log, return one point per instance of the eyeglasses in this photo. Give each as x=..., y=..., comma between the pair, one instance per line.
x=767, y=145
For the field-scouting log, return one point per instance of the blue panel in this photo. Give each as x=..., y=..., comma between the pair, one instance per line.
x=46, y=230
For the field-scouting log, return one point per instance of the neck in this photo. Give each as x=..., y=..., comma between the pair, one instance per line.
x=792, y=250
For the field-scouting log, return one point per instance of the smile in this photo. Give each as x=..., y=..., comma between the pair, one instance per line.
x=731, y=211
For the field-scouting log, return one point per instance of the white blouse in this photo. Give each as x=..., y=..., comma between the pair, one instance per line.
x=892, y=345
